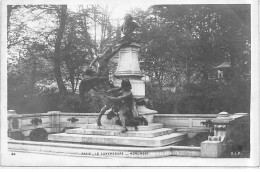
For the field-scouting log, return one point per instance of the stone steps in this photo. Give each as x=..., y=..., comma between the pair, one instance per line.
x=153, y=135
x=151, y=126
x=142, y=133
x=117, y=140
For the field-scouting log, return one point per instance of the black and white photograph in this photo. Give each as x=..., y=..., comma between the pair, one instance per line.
x=117, y=83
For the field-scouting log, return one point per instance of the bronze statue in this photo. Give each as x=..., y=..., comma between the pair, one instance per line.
x=121, y=101
x=128, y=27
x=122, y=104
x=103, y=60
x=115, y=91
x=126, y=104
x=95, y=80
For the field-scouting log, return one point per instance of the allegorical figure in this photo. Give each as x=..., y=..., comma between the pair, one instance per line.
x=116, y=91
x=103, y=60
x=128, y=28
x=101, y=75
x=100, y=78
x=118, y=106
x=125, y=103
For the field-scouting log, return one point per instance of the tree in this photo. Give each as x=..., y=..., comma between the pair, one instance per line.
x=185, y=42
x=67, y=48
x=52, y=45
x=78, y=48
x=190, y=39
x=62, y=15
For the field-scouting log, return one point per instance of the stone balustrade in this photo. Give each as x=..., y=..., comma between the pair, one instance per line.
x=52, y=122
x=188, y=123
x=229, y=130
x=56, y=121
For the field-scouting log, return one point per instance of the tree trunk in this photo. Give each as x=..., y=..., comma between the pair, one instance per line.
x=9, y=11
x=232, y=61
x=188, y=71
x=33, y=74
x=57, y=58
x=71, y=74
x=204, y=71
x=10, y=8
x=205, y=49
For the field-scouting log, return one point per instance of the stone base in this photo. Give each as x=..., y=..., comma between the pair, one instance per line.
x=211, y=149
x=151, y=126
x=152, y=135
x=117, y=140
x=143, y=110
x=142, y=133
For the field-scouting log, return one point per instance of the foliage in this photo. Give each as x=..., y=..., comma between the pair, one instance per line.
x=92, y=103
x=207, y=97
x=182, y=44
x=188, y=40
x=49, y=47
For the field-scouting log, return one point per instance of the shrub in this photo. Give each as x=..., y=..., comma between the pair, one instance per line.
x=205, y=97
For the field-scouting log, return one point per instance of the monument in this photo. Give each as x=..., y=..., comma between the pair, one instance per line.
x=128, y=67
x=152, y=135
x=106, y=140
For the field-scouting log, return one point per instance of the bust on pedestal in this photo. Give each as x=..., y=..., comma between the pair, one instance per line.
x=129, y=68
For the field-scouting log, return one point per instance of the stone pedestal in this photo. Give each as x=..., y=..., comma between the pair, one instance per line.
x=138, y=86
x=225, y=130
x=211, y=149
x=128, y=64
x=128, y=67
x=152, y=135
x=14, y=126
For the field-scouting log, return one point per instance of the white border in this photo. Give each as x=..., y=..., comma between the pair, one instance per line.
x=6, y=159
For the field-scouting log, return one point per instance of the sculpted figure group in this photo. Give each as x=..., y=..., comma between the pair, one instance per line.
x=119, y=99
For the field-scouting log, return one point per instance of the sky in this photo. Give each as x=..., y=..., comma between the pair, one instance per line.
x=116, y=8
x=119, y=8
